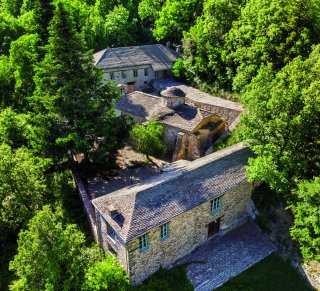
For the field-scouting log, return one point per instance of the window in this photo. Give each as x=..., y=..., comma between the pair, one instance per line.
x=164, y=231
x=123, y=74
x=146, y=72
x=111, y=76
x=215, y=205
x=111, y=232
x=143, y=243
x=156, y=74
x=135, y=73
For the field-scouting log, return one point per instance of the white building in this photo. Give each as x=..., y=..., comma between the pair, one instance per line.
x=134, y=67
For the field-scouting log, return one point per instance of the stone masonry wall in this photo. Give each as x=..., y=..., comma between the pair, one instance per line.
x=106, y=241
x=186, y=232
x=227, y=114
x=141, y=81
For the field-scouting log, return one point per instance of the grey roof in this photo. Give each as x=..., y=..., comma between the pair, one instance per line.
x=138, y=103
x=184, y=117
x=158, y=56
x=173, y=92
x=157, y=200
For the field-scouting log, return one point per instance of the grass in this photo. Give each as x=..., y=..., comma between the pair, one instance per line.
x=271, y=274
x=166, y=280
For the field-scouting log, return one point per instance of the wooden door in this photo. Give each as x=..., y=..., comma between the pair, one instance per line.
x=213, y=227
x=131, y=87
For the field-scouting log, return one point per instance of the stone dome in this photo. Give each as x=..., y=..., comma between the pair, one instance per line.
x=172, y=92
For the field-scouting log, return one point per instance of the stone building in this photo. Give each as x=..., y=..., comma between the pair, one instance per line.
x=188, y=131
x=158, y=221
x=133, y=68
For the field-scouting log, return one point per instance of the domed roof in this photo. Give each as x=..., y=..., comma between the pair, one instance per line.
x=172, y=92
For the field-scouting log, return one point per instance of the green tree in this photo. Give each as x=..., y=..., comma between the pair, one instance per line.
x=306, y=227
x=23, y=186
x=282, y=123
x=149, y=10
x=119, y=29
x=7, y=82
x=11, y=6
x=71, y=94
x=107, y=274
x=272, y=32
x=204, y=43
x=148, y=139
x=10, y=29
x=175, y=17
x=23, y=56
x=51, y=255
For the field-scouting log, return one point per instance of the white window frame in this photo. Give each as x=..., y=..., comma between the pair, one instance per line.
x=135, y=73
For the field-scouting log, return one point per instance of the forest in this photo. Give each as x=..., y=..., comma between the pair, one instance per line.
x=55, y=106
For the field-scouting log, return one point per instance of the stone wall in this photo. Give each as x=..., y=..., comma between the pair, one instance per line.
x=227, y=114
x=170, y=137
x=186, y=232
x=106, y=241
x=141, y=81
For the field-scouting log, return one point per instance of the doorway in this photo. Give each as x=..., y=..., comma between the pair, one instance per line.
x=131, y=87
x=213, y=227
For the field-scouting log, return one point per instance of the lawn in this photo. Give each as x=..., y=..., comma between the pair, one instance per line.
x=166, y=280
x=271, y=274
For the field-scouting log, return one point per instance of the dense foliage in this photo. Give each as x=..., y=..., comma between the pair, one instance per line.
x=148, y=139
x=51, y=255
x=54, y=106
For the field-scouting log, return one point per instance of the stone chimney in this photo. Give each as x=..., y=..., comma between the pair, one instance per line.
x=172, y=97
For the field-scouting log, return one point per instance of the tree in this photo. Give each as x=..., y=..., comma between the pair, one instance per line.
x=306, y=227
x=119, y=29
x=107, y=274
x=23, y=187
x=71, y=94
x=11, y=6
x=204, y=43
x=51, y=255
x=148, y=139
x=149, y=10
x=282, y=123
x=175, y=17
x=23, y=55
x=272, y=32
x=7, y=82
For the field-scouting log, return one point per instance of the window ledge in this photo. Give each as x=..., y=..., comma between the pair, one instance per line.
x=215, y=211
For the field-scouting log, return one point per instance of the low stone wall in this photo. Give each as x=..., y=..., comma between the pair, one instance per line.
x=87, y=206
x=227, y=114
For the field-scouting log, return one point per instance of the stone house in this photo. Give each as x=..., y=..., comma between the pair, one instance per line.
x=162, y=219
x=133, y=68
x=188, y=131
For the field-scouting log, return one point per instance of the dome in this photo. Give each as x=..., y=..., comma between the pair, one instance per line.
x=172, y=92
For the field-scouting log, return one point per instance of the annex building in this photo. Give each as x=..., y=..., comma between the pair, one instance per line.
x=133, y=68
x=156, y=222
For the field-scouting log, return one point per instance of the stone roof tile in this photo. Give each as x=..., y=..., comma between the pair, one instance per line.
x=159, y=199
x=158, y=56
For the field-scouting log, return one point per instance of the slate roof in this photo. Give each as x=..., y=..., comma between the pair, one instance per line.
x=158, y=56
x=184, y=117
x=157, y=200
x=173, y=92
x=138, y=103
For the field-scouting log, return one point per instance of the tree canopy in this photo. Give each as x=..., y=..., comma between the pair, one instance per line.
x=72, y=95
x=51, y=255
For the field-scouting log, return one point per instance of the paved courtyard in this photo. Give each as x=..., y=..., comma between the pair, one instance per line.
x=227, y=256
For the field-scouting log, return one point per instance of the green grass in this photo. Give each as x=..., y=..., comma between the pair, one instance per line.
x=271, y=274
x=166, y=280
